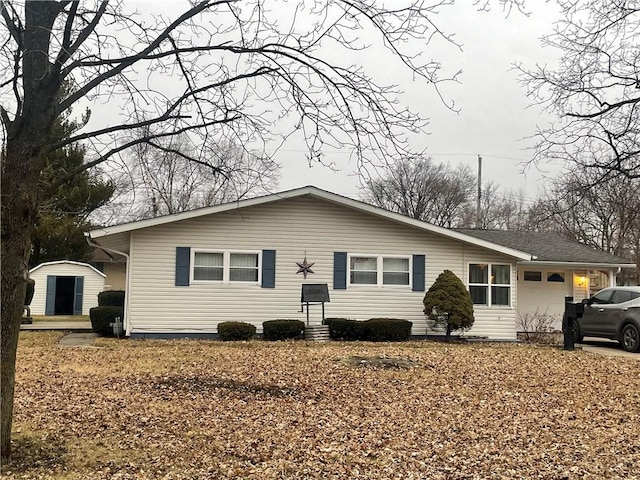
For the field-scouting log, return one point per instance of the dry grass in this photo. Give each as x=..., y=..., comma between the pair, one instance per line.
x=258, y=410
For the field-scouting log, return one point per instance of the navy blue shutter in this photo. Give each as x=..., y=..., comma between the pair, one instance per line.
x=183, y=267
x=77, y=297
x=339, y=270
x=417, y=283
x=268, y=269
x=50, y=305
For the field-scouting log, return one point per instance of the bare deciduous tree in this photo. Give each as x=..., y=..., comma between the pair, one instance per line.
x=593, y=90
x=160, y=181
x=605, y=216
x=424, y=190
x=219, y=69
x=499, y=210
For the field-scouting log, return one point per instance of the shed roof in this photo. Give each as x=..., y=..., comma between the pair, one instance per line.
x=67, y=262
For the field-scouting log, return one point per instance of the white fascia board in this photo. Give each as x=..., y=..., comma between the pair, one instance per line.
x=314, y=191
x=549, y=263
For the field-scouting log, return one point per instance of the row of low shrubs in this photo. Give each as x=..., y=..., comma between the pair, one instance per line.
x=272, y=330
x=373, y=330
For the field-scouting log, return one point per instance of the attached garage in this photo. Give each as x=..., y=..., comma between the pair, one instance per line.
x=65, y=288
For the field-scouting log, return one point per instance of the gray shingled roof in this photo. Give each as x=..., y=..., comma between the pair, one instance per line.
x=545, y=246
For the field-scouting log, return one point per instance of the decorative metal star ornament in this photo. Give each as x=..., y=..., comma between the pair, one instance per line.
x=305, y=268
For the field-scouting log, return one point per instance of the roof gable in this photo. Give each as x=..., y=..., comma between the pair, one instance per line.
x=317, y=193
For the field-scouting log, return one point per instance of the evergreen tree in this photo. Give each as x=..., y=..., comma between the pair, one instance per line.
x=65, y=206
x=448, y=302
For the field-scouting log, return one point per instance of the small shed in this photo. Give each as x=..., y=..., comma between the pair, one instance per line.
x=65, y=287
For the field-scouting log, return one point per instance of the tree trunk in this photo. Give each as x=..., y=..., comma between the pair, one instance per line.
x=449, y=330
x=19, y=202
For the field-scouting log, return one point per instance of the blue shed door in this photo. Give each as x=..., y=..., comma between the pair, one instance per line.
x=77, y=296
x=50, y=305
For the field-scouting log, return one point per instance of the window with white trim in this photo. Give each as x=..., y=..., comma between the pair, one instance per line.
x=490, y=284
x=225, y=266
x=379, y=270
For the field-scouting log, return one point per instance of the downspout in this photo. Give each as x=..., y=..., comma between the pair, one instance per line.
x=127, y=328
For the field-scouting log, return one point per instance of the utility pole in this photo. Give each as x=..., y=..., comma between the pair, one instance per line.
x=478, y=215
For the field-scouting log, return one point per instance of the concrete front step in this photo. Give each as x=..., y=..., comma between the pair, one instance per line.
x=317, y=333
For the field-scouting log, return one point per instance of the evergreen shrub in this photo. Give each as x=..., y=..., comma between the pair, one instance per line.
x=345, y=329
x=111, y=298
x=448, y=303
x=282, y=329
x=232, y=331
x=387, y=329
x=101, y=317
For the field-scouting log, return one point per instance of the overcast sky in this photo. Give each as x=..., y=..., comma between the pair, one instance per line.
x=494, y=117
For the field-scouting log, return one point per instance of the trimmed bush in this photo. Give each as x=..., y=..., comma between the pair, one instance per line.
x=345, y=329
x=111, y=298
x=282, y=329
x=232, y=331
x=373, y=330
x=101, y=317
x=387, y=329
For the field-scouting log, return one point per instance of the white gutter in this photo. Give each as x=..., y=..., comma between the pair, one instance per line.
x=577, y=264
x=126, y=281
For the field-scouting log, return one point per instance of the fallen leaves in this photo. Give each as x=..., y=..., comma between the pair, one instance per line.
x=258, y=410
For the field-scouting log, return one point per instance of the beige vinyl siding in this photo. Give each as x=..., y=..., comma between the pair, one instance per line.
x=93, y=284
x=292, y=228
x=116, y=274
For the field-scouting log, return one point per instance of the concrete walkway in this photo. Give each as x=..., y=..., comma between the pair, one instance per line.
x=78, y=340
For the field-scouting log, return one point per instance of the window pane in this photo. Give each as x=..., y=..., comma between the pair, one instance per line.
x=555, y=277
x=478, y=295
x=366, y=278
x=602, y=297
x=207, y=273
x=478, y=273
x=243, y=274
x=500, y=295
x=501, y=274
x=395, y=264
x=364, y=263
x=203, y=259
x=393, y=278
x=244, y=260
x=530, y=276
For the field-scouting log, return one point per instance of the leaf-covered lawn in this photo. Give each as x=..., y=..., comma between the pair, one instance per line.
x=197, y=410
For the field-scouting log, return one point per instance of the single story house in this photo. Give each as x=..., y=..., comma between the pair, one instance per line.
x=65, y=287
x=247, y=261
